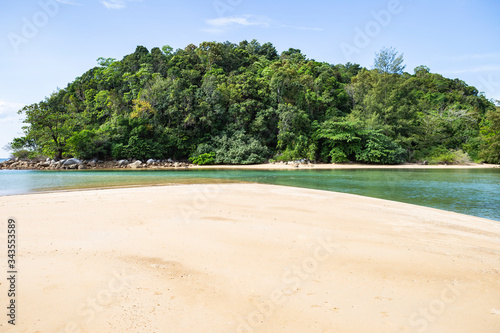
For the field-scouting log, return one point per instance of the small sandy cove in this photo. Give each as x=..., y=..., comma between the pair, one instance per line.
x=246, y=258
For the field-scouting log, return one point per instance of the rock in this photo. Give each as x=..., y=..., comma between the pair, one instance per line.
x=122, y=163
x=135, y=165
x=72, y=161
x=81, y=167
x=170, y=160
x=425, y=163
x=150, y=161
x=72, y=166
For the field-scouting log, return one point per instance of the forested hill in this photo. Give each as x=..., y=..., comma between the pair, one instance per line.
x=245, y=103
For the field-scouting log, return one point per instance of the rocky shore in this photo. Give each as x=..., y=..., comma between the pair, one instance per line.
x=74, y=163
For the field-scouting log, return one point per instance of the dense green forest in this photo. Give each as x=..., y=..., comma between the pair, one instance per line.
x=226, y=103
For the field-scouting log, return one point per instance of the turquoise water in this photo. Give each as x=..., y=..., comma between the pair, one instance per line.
x=469, y=191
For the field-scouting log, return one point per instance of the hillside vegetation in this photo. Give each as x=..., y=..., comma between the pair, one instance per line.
x=225, y=103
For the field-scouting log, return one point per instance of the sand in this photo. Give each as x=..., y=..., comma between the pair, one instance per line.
x=246, y=258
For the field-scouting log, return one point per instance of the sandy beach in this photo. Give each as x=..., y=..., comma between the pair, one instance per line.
x=246, y=258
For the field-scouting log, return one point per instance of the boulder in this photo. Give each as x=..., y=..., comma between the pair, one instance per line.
x=135, y=165
x=122, y=163
x=150, y=161
x=71, y=161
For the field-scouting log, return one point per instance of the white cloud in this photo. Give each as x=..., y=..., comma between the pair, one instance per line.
x=8, y=111
x=245, y=20
x=212, y=30
x=302, y=28
x=10, y=124
x=69, y=2
x=474, y=70
x=116, y=4
x=477, y=56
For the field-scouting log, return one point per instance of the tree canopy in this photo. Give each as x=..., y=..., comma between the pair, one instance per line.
x=245, y=103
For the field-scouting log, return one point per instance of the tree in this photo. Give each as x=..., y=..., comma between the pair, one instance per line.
x=388, y=61
x=241, y=103
x=491, y=137
x=48, y=126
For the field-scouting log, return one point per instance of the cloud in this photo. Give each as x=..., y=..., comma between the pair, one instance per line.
x=477, y=56
x=245, y=20
x=69, y=2
x=8, y=111
x=302, y=28
x=474, y=70
x=116, y=4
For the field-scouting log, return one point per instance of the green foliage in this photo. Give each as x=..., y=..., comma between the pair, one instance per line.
x=203, y=159
x=348, y=141
x=490, y=135
x=245, y=103
x=443, y=155
x=380, y=149
x=237, y=148
x=388, y=61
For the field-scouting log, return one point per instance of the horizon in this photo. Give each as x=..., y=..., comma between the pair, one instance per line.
x=50, y=42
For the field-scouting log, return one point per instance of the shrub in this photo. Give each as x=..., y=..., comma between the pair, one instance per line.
x=442, y=155
x=238, y=148
x=203, y=159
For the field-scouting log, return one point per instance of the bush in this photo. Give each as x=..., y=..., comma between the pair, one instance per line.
x=238, y=148
x=299, y=149
x=203, y=159
x=442, y=155
x=379, y=148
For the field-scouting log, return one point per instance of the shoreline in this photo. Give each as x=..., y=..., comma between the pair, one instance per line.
x=269, y=166
x=176, y=165
x=177, y=258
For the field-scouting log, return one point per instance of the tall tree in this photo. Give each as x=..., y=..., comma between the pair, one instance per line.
x=388, y=61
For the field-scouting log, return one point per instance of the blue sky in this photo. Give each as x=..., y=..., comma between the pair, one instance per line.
x=45, y=44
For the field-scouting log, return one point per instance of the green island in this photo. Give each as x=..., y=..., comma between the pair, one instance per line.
x=227, y=103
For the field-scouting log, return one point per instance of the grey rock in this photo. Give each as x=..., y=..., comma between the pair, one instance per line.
x=72, y=161
x=122, y=162
x=135, y=165
x=150, y=161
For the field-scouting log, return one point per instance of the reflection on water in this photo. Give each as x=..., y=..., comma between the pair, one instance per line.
x=469, y=191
